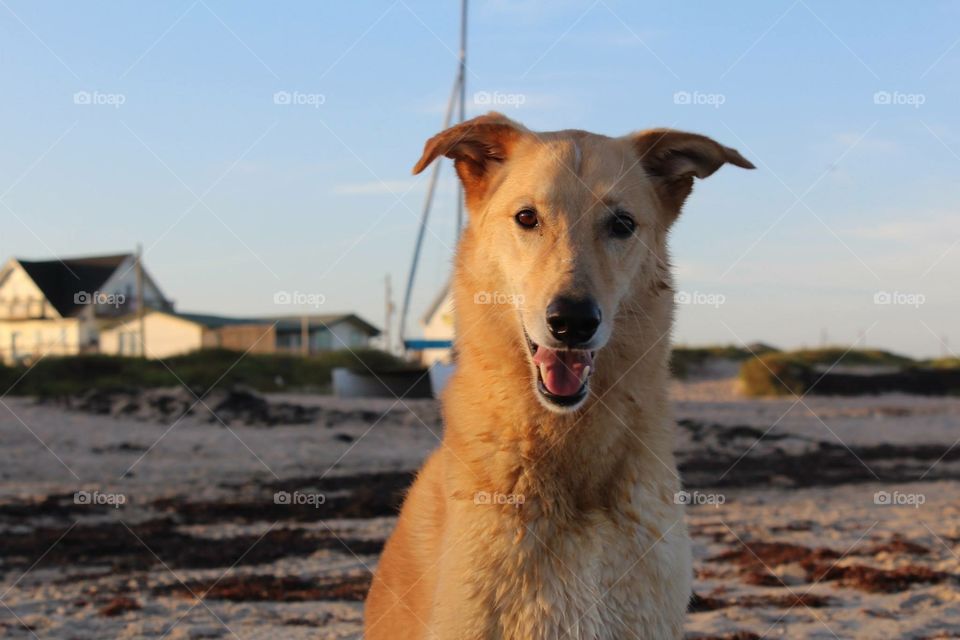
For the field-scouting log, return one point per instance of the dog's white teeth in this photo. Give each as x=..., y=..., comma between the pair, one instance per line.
x=586, y=372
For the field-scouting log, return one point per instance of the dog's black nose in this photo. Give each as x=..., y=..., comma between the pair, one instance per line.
x=573, y=322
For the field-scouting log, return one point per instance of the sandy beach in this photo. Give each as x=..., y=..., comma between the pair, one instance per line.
x=820, y=518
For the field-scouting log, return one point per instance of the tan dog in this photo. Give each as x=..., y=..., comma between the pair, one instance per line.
x=549, y=511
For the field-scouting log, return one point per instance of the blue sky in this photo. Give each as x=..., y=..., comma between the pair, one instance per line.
x=235, y=197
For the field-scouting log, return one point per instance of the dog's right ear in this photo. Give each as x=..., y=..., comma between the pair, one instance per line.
x=477, y=147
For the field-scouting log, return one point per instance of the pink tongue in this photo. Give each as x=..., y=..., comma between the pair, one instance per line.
x=562, y=371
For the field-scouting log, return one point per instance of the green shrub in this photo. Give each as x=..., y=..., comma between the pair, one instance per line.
x=199, y=370
x=8, y=376
x=774, y=374
x=943, y=363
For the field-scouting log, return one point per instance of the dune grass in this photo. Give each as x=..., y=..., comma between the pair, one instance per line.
x=794, y=372
x=684, y=359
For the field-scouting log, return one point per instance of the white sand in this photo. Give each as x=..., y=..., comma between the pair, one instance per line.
x=200, y=461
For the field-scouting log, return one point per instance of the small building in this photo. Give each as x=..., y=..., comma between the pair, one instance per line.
x=57, y=307
x=171, y=334
x=322, y=332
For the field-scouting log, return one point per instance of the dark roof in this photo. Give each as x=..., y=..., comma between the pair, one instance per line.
x=215, y=322
x=60, y=280
x=292, y=322
x=207, y=320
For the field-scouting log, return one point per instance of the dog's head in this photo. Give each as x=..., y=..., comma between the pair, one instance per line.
x=572, y=224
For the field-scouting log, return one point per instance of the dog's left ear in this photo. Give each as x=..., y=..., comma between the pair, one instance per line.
x=478, y=147
x=674, y=158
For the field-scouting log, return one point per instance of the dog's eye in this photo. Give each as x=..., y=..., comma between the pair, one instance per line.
x=622, y=225
x=527, y=218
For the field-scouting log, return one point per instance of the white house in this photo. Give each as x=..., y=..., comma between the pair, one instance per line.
x=89, y=305
x=57, y=307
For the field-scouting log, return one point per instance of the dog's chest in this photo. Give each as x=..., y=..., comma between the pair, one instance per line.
x=599, y=580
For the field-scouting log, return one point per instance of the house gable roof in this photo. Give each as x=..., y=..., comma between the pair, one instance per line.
x=61, y=280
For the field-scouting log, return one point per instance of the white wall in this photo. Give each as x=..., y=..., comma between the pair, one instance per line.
x=30, y=339
x=167, y=336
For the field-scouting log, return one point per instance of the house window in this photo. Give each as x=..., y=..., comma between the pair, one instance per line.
x=288, y=341
x=320, y=340
x=14, y=353
x=128, y=343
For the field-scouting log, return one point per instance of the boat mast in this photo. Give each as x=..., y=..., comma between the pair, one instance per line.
x=457, y=95
x=463, y=104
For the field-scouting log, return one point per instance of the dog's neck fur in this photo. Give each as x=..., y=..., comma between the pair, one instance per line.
x=580, y=460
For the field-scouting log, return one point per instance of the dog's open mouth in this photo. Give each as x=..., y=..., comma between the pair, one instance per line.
x=563, y=375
